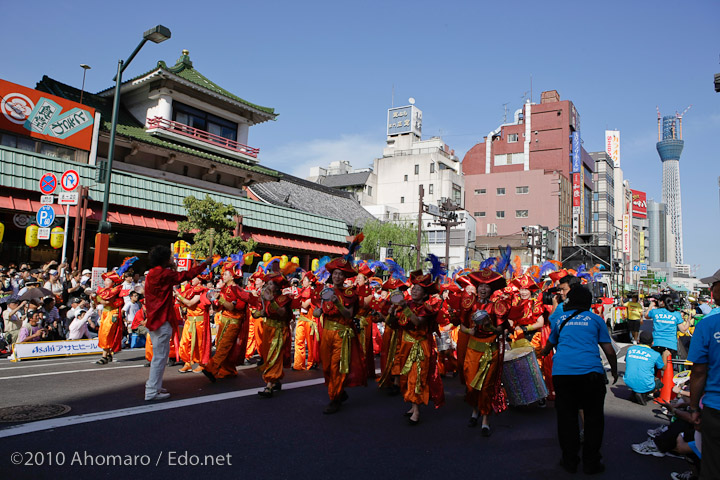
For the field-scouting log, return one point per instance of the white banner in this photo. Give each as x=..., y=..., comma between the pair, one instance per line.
x=612, y=146
x=61, y=348
x=626, y=237
x=96, y=279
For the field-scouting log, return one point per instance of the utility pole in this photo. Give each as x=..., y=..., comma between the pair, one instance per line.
x=448, y=220
x=421, y=209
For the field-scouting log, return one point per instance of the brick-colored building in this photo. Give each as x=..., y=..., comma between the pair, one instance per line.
x=522, y=175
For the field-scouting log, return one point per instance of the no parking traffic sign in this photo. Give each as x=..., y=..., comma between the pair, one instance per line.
x=48, y=183
x=70, y=180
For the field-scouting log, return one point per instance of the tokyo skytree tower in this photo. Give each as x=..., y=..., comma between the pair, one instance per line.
x=670, y=146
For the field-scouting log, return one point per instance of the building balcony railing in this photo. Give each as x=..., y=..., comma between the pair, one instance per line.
x=201, y=137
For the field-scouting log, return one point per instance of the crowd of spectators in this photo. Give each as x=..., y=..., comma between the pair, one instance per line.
x=51, y=303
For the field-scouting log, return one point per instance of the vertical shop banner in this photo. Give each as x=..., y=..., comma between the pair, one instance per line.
x=612, y=146
x=46, y=117
x=626, y=236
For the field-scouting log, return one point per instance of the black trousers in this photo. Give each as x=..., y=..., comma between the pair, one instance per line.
x=710, y=463
x=574, y=393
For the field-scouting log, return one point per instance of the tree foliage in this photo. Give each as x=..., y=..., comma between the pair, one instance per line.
x=208, y=218
x=378, y=234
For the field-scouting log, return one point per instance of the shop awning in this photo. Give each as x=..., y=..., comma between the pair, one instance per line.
x=135, y=219
x=295, y=244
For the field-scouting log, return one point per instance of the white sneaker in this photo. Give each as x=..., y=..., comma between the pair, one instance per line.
x=682, y=476
x=157, y=396
x=647, y=447
x=656, y=432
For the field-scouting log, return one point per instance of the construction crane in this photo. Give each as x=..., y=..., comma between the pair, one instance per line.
x=680, y=117
x=659, y=124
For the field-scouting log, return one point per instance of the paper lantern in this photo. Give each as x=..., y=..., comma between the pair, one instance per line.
x=31, y=236
x=314, y=264
x=295, y=260
x=283, y=261
x=57, y=235
x=2, y=231
x=266, y=257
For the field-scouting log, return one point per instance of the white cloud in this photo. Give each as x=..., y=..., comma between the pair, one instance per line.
x=296, y=158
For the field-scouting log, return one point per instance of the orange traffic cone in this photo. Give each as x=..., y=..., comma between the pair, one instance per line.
x=666, y=394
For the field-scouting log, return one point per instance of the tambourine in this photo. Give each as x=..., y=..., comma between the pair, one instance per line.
x=480, y=317
x=396, y=297
x=327, y=294
x=211, y=294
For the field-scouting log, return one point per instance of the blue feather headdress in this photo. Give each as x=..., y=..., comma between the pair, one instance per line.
x=437, y=269
x=396, y=271
x=126, y=265
x=488, y=263
x=353, y=248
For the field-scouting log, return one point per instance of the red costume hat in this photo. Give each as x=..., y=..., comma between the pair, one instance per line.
x=112, y=275
x=233, y=267
x=555, y=276
x=393, y=284
x=205, y=277
x=277, y=278
x=343, y=265
x=494, y=279
x=424, y=280
x=463, y=281
x=364, y=269
x=310, y=276
x=524, y=281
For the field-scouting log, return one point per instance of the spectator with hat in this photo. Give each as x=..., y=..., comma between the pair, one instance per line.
x=13, y=319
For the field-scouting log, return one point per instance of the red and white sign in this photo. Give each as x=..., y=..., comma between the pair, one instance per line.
x=577, y=190
x=96, y=278
x=68, y=198
x=43, y=233
x=183, y=264
x=626, y=237
x=48, y=183
x=70, y=180
x=639, y=204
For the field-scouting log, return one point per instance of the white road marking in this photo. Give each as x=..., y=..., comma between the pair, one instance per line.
x=13, y=367
x=147, y=408
x=68, y=371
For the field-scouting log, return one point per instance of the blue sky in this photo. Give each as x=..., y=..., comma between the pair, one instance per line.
x=329, y=69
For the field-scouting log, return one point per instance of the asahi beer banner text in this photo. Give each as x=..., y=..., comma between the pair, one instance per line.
x=23, y=351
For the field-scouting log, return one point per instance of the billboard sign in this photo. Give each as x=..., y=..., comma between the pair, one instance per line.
x=404, y=120
x=639, y=204
x=577, y=190
x=612, y=146
x=45, y=117
x=576, y=156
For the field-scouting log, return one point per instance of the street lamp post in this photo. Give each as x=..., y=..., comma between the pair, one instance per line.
x=157, y=34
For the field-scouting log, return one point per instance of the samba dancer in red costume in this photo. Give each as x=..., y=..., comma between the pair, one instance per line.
x=110, y=334
x=307, y=329
x=482, y=320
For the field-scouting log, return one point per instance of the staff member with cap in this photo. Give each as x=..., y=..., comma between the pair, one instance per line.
x=160, y=312
x=705, y=382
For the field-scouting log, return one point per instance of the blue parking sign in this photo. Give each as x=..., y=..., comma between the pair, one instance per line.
x=45, y=216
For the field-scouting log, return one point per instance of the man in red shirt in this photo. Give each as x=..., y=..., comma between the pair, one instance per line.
x=160, y=312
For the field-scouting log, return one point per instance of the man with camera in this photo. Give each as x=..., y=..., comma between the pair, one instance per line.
x=33, y=332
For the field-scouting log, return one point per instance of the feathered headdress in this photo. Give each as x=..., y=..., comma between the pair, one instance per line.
x=375, y=264
x=437, y=269
x=504, y=264
x=353, y=247
x=127, y=263
x=488, y=263
x=322, y=274
x=396, y=271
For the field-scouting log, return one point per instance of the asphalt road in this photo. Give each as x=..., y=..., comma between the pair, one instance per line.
x=225, y=430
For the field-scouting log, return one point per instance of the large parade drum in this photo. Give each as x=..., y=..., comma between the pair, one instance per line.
x=522, y=377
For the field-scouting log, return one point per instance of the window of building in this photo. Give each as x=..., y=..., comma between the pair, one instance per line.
x=417, y=169
x=521, y=213
x=402, y=199
x=512, y=138
x=436, y=236
x=456, y=194
x=49, y=149
x=369, y=191
x=432, y=167
x=480, y=191
x=196, y=118
x=406, y=178
x=500, y=214
x=501, y=191
x=479, y=214
x=524, y=190
x=430, y=189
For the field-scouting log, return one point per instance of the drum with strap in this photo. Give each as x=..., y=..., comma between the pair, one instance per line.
x=522, y=377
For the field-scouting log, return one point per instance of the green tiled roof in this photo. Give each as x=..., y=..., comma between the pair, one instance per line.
x=20, y=169
x=129, y=127
x=184, y=69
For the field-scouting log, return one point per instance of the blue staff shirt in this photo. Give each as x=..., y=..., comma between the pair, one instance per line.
x=640, y=364
x=705, y=348
x=665, y=327
x=577, y=350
